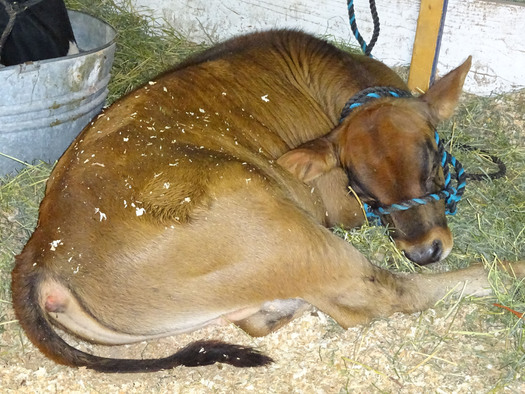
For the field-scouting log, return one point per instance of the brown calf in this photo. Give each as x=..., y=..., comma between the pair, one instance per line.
x=205, y=197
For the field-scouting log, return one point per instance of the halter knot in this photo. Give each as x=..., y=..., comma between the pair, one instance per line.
x=451, y=194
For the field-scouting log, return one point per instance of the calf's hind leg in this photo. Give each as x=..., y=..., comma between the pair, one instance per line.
x=276, y=251
x=314, y=265
x=382, y=293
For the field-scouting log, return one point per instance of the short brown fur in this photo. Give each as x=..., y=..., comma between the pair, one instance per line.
x=205, y=196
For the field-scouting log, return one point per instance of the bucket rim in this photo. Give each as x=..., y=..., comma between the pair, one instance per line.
x=37, y=63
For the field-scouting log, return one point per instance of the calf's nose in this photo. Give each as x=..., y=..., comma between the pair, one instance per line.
x=426, y=254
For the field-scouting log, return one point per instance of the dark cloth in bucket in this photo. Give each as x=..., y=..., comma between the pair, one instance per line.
x=41, y=30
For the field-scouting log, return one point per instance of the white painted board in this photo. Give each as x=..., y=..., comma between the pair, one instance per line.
x=490, y=31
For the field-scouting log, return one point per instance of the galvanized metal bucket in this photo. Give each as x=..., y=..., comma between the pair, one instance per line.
x=45, y=104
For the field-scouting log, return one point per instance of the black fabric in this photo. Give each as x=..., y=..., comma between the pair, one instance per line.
x=41, y=31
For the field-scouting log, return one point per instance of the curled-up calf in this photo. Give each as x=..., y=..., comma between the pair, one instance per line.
x=206, y=196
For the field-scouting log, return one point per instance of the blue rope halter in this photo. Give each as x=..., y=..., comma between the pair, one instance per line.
x=450, y=194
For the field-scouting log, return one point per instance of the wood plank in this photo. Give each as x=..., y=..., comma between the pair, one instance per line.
x=425, y=47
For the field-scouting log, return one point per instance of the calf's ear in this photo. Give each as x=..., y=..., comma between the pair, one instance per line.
x=310, y=160
x=442, y=97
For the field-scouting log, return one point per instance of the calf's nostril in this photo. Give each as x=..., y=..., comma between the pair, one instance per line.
x=436, y=250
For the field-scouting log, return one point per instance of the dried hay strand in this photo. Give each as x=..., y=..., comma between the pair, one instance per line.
x=465, y=345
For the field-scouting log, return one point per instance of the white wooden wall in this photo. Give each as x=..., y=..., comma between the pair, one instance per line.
x=491, y=31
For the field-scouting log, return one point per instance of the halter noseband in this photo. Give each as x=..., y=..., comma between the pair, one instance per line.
x=450, y=194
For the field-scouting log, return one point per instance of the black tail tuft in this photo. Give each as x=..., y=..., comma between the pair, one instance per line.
x=210, y=352
x=194, y=355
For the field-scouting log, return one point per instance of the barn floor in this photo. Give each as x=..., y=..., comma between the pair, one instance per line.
x=449, y=350
x=461, y=346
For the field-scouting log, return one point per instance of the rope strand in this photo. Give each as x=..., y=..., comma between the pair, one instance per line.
x=366, y=48
x=502, y=168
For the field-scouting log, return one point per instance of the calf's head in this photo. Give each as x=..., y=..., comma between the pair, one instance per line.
x=388, y=151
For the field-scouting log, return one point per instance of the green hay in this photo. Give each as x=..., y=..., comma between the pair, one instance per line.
x=19, y=200
x=490, y=223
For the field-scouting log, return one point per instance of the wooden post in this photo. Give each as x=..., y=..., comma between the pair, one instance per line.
x=426, y=44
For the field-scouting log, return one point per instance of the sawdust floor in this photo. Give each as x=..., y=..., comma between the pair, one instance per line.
x=440, y=350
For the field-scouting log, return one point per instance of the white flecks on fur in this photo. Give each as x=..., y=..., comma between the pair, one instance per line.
x=152, y=83
x=265, y=98
x=202, y=111
x=98, y=164
x=55, y=244
x=140, y=211
x=125, y=139
x=102, y=214
x=166, y=185
x=186, y=200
